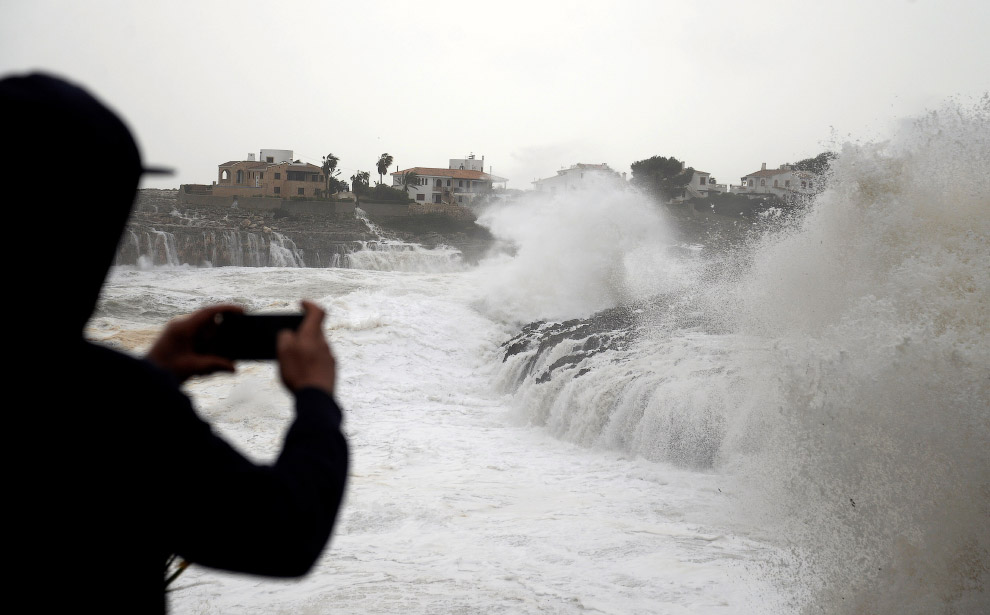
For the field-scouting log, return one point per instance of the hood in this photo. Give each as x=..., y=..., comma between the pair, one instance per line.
x=76, y=168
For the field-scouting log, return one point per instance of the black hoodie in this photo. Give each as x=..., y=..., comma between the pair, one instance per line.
x=112, y=470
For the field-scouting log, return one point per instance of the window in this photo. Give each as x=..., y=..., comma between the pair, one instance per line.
x=750, y=182
x=702, y=180
x=448, y=183
x=438, y=184
x=278, y=176
x=269, y=159
x=460, y=199
x=787, y=183
x=775, y=183
x=763, y=182
x=804, y=184
x=225, y=175
x=420, y=197
x=301, y=191
x=240, y=177
x=261, y=176
x=278, y=190
x=295, y=176
x=460, y=183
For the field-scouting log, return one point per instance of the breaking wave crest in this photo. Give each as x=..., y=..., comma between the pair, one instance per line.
x=837, y=371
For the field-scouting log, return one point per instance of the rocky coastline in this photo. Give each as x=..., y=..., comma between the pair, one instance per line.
x=163, y=231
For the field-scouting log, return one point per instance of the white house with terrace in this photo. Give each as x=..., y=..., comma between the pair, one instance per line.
x=460, y=183
x=785, y=182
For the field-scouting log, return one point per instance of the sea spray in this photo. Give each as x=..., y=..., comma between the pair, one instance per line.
x=865, y=427
x=837, y=373
x=575, y=252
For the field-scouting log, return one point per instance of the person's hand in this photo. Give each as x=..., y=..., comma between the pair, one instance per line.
x=174, y=350
x=304, y=356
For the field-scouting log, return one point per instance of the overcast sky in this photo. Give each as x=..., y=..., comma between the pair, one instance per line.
x=533, y=86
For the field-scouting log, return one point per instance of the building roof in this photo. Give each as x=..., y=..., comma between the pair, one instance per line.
x=254, y=164
x=451, y=173
x=305, y=167
x=768, y=172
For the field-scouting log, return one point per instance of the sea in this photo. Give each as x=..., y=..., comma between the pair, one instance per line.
x=600, y=417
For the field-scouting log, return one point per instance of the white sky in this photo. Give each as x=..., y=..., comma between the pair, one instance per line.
x=532, y=86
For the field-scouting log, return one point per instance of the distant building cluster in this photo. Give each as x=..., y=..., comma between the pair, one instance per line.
x=274, y=173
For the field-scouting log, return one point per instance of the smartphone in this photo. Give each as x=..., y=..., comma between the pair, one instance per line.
x=240, y=336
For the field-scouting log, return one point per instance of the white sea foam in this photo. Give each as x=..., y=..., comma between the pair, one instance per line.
x=801, y=427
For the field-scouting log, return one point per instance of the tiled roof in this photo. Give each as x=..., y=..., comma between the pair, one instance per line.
x=451, y=173
x=306, y=167
x=768, y=173
x=254, y=164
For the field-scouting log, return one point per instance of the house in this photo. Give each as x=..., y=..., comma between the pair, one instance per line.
x=577, y=176
x=274, y=174
x=460, y=183
x=785, y=182
x=702, y=185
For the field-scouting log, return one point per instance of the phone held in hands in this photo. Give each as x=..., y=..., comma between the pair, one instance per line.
x=240, y=336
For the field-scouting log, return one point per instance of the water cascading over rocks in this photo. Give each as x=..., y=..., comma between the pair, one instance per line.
x=160, y=233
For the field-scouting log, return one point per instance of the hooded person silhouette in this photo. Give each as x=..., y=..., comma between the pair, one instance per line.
x=114, y=472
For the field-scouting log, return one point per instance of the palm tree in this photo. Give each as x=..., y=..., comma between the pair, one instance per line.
x=359, y=181
x=409, y=178
x=329, y=171
x=384, y=162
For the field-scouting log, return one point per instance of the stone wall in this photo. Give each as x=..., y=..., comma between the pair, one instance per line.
x=265, y=204
x=384, y=210
x=457, y=212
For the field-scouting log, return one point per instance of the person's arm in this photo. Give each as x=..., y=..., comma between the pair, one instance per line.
x=271, y=520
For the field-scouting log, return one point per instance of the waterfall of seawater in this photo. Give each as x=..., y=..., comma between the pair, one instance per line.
x=282, y=252
x=837, y=371
x=387, y=253
x=212, y=248
x=151, y=248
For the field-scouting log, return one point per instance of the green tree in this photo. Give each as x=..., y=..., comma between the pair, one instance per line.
x=661, y=177
x=337, y=185
x=330, y=172
x=384, y=162
x=819, y=165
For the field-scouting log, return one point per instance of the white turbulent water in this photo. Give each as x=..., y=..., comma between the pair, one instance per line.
x=800, y=427
x=452, y=507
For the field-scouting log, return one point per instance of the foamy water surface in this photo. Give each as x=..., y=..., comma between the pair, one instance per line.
x=798, y=426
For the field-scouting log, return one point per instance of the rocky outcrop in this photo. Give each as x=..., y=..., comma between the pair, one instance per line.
x=160, y=231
